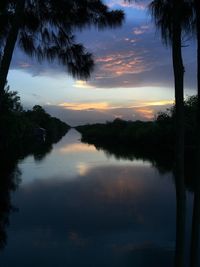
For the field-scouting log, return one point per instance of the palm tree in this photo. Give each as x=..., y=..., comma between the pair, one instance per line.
x=173, y=17
x=6, y=54
x=44, y=29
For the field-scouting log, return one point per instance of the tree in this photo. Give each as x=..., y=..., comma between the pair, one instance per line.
x=173, y=17
x=44, y=29
x=11, y=102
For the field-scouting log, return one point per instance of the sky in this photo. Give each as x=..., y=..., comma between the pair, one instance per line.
x=132, y=79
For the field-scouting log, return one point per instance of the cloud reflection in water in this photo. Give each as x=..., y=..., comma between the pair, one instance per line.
x=106, y=214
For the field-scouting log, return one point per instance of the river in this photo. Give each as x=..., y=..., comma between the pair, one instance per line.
x=79, y=206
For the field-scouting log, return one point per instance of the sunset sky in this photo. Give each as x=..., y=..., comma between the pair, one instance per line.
x=132, y=78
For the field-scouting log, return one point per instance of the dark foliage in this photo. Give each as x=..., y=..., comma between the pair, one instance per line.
x=152, y=134
x=19, y=128
x=46, y=29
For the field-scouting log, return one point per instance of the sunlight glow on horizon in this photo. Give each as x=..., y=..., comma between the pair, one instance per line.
x=82, y=84
x=45, y=89
x=147, y=113
x=147, y=110
x=107, y=106
x=125, y=103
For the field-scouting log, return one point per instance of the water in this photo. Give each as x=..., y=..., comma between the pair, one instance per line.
x=78, y=206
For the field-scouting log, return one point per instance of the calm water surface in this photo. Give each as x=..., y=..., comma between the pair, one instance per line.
x=78, y=206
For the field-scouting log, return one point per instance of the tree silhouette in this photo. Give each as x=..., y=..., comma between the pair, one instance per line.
x=173, y=18
x=44, y=29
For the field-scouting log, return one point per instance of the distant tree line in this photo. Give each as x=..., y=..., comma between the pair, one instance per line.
x=160, y=132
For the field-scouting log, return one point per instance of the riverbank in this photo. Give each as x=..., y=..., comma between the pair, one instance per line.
x=149, y=135
x=26, y=132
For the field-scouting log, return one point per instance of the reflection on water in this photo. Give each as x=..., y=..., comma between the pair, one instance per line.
x=82, y=207
x=9, y=180
x=68, y=159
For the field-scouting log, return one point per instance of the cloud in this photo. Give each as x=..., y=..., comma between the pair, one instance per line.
x=134, y=56
x=20, y=61
x=91, y=112
x=78, y=117
x=24, y=65
x=106, y=106
x=120, y=64
x=82, y=84
x=130, y=56
x=141, y=29
x=85, y=106
x=147, y=113
x=158, y=103
x=141, y=5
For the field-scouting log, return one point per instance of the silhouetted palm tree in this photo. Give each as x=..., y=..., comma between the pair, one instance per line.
x=44, y=29
x=173, y=17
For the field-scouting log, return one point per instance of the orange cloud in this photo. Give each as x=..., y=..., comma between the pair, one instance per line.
x=105, y=59
x=87, y=106
x=127, y=110
x=122, y=63
x=153, y=103
x=159, y=103
x=144, y=107
x=147, y=113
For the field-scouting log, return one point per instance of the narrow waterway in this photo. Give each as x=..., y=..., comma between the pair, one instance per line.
x=79, y=206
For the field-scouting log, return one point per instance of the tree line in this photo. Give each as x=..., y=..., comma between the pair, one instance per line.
x=145, y=134
x=19, y=133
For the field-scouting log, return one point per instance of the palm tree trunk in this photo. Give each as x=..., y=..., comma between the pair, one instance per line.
x=196, y=206
x=179, y=157
x=10, y=45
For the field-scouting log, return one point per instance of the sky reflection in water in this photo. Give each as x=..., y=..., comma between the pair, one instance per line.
x=78, y=207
